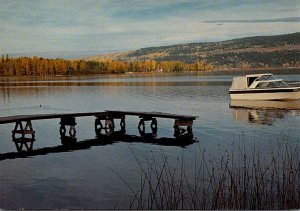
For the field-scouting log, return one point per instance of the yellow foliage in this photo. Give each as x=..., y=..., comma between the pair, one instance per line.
x=42, y=67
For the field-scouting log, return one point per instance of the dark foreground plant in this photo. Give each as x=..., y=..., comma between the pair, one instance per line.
x=233, y=180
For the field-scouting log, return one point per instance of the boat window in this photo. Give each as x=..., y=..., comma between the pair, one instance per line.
x=260, y=78
x=250, y=80
x=271, y=84
x=262, y=85
x=263, y=78
x=267, y=77
x=280, y=84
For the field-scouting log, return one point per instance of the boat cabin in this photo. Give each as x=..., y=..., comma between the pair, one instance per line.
x=257, y=81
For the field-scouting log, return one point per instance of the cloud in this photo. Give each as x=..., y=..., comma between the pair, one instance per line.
x=275, y=20
x=82, y=25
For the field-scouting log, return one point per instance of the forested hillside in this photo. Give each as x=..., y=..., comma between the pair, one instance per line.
x=27, y=66
x=251, y=52
x=280, y=51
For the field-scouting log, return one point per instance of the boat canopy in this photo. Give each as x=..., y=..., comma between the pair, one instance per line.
x=259, y=75
x=257, y=81
x=239, y=83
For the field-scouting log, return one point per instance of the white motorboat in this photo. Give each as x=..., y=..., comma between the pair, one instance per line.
x=262, y=87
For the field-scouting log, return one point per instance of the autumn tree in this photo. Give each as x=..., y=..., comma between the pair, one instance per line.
x=42, y=67
x=27, y=67
x=82, y=67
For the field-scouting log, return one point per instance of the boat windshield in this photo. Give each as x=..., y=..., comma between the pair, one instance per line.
x=271, y=84
x=253, y=78
x=266, y=77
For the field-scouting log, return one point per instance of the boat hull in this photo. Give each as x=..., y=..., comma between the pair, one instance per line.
x=281, y=94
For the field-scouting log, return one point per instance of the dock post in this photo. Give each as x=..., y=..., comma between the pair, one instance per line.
x=141, y=127
x=123, y=124
x=179, y=131
x=67, y=121
x=153, y=126
x=109, y=124
x=23, y=140
x=98, y=126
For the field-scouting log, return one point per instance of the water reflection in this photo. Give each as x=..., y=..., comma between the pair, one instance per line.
x=262, y=112
x=266, y=117
x=112, y=83
x=260, y=104
x=70, y=144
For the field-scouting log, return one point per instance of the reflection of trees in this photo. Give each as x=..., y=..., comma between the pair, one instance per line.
x=5, y=93
x=32, y=91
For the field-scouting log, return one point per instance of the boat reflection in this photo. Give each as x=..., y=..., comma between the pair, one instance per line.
x=71, y=144
x=261, y=104
x=262, y=112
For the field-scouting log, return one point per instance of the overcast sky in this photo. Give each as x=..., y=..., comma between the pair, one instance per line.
x=102, y=25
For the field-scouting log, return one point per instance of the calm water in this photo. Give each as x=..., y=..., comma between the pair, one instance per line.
x=90, y=178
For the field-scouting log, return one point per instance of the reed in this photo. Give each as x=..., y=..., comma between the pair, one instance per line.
x=231, y=180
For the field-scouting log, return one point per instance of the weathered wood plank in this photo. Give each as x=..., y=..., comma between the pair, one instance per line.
x=12, y=119
x=181, y=122
x=117, y=114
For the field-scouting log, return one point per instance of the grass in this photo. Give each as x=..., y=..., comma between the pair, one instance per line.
x=232, y=180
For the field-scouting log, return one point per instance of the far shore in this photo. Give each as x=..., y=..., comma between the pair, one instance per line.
x=215, y=72
x=239, y=71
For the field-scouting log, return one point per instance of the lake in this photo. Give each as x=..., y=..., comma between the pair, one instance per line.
x=100, y=176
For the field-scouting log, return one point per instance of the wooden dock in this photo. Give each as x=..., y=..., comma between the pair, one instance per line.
x=23, y=134
x=12, y=119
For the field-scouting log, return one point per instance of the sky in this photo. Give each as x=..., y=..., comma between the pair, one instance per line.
x=119, y=25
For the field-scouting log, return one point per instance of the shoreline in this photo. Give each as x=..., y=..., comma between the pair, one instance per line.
x=216, y=72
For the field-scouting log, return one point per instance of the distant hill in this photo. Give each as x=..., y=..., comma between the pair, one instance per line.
x=57, y=54
x=250, y=52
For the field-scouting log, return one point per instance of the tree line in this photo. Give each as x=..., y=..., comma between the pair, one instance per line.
x=275, y=59
x=34, y=66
